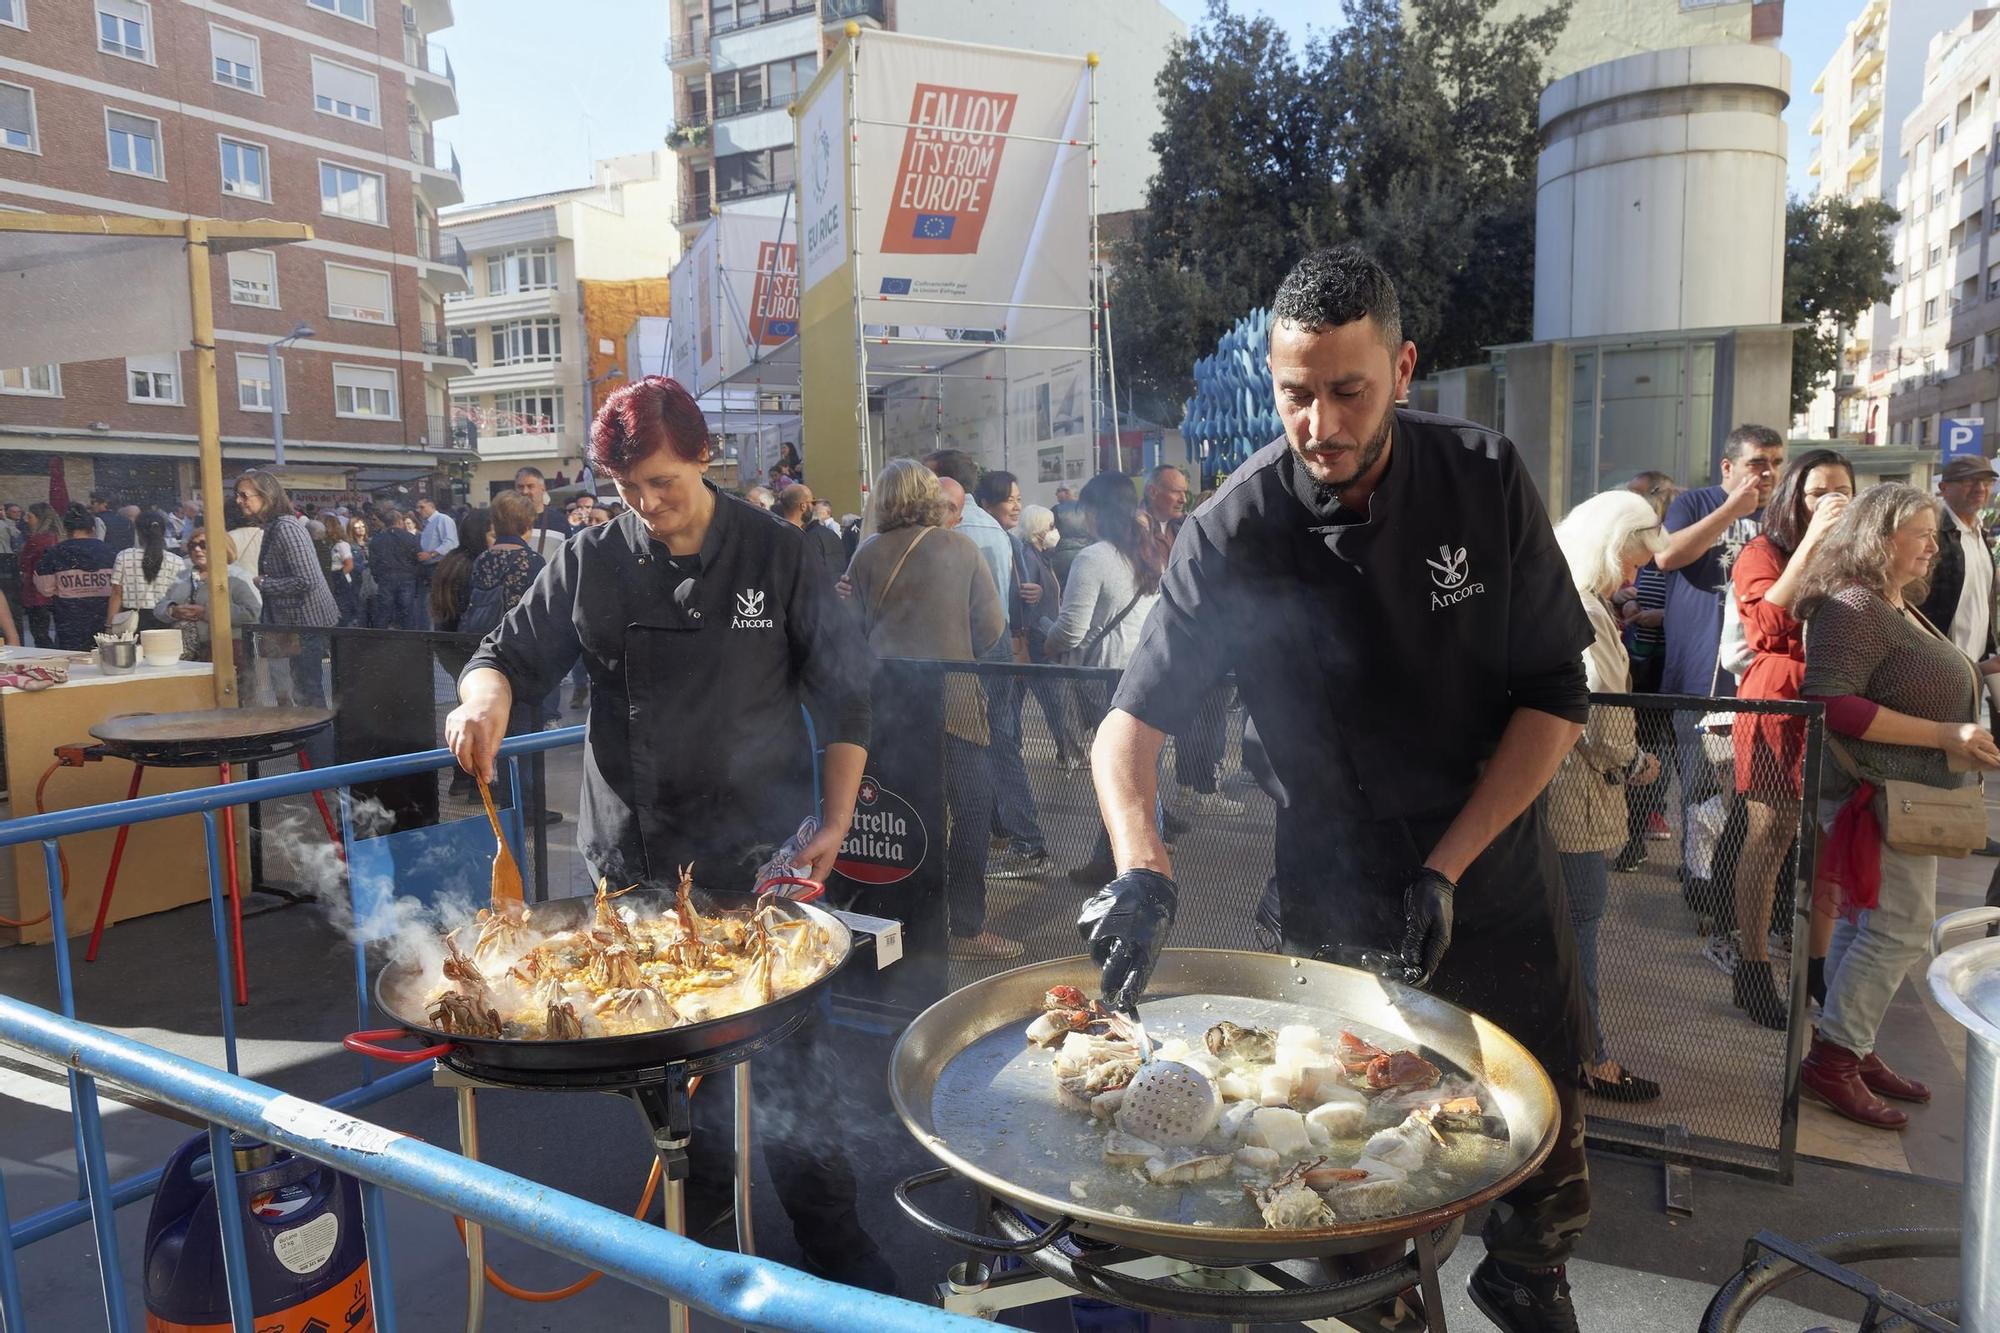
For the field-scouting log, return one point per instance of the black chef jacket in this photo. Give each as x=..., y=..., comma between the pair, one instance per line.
x=696, y=751
x=1380, y=657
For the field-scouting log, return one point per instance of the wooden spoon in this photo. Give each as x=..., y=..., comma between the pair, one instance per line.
x=507, y=886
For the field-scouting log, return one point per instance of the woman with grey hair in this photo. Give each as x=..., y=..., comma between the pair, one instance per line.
x=922, y=590
x=1902, y=702
x=1605, y=540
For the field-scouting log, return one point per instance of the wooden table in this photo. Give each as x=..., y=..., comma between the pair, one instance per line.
x=166, y=861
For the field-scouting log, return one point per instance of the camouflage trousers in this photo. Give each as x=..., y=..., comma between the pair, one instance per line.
x=1538, y=1223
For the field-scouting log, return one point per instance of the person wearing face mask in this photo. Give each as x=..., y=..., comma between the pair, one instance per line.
x=708, y=630
x=1407, y=639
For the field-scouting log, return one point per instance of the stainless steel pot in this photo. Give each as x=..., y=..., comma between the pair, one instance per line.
x=117, y=657
x=1966, y=983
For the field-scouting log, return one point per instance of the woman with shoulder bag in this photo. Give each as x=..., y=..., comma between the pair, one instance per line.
x=294, y=590
x=924, y=591
x=1605, y=540
x=1902, y=710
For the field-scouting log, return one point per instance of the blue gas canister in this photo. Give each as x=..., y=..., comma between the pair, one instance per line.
x=302, y=1239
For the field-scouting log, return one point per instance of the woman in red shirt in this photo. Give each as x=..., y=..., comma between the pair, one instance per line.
x=42, y=538
x=1770, y=749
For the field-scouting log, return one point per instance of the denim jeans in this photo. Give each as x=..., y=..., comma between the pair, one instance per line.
x=1587, y=884
x=395, y=605
x=968, y=798
x=1871, y=955
x=1199, y=746
x=1013, y=799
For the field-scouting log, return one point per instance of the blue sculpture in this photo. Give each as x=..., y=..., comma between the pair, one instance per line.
x=1231, y=415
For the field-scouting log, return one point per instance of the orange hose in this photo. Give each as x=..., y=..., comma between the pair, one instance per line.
x=62, y=857
x=589, y=1279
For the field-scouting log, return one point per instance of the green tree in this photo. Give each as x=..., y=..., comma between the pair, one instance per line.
x=1837, y=258
x=1410, y=129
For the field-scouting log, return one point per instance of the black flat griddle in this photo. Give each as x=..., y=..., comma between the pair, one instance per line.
x=616, y=1060
x=210, y=737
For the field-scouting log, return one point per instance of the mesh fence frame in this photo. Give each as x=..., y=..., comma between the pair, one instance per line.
x=1729, y=1090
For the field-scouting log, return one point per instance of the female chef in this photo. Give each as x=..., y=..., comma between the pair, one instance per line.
x=707, y=631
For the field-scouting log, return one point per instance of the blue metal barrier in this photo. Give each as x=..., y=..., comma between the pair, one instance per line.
x=98, y=1196
x=755, y=1293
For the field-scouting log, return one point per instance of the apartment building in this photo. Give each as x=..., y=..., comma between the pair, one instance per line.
x=1941, y=359
x=315, y=111
x=739, y=64
x=1601, y=30
x=1868, y=89
x=537, y=363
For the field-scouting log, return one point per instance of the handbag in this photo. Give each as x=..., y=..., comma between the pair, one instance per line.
x=1089, y=645
x=1921, y=820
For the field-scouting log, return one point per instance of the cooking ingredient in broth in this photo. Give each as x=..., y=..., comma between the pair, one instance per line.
x=619, y=973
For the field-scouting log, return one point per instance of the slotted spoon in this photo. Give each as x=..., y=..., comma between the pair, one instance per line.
x=507, y=886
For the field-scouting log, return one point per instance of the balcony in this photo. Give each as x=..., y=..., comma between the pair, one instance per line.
x=693, y=211
x=1867, y=57
x=687, y=50
x=724, y=198
x=1813, y=167
x=1818, y=124
x=689, y=130
x=441, y=262
x=440, y=176
x=1863, y=152
x=1867, y=104
x=870, y=12
x=436, y=344
x=435, y=86
x=774, y=11
x=726, y=107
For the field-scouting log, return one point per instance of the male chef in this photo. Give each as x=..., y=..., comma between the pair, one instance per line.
x=1407, y=638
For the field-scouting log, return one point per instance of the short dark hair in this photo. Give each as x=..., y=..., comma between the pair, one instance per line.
x=1747, y=437
x=534, y=472
x=1329, y=288
x=993, y=488
x=956, y=464
x=655, y=413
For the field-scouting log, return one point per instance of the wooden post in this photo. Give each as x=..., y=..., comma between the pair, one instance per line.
x=208, y=424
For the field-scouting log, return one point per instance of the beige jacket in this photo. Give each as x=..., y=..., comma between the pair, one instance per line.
x=943, y=605
x=1587, y=797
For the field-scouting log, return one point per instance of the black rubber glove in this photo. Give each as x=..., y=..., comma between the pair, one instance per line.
x=1426, y=923
x=1126, y=924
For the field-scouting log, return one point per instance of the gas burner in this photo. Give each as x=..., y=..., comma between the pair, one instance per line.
x=1769, y=1262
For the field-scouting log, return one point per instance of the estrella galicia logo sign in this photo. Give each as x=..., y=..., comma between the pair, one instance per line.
x=750, y=610
x=887, y=841
x=1451, y=573
x=1448, y=570
x=895, y=286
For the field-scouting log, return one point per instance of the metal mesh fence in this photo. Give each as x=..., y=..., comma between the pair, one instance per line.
x=1657, y=874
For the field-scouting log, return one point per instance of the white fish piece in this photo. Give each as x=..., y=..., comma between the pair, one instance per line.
x=1379, y=1169
x=1122, y=1149
x=1173, y=1048
x=1258, y=1159
x=1317, y=1133
x=1071, y=1093
x=1105, y=1104
x=1187, y=1170
x=1329, y=1082
x=1077, y=1191
x=1300, y=1035
x=1050, y=1029
x=1340, y=1119
x=1080, y=1050
x=1274, y=1086
x=1278, y=1128
x=1405, y=1145
x=1203, y=1061
x=1235, y=1119
x=1366, y=1198
x=1236, y=1088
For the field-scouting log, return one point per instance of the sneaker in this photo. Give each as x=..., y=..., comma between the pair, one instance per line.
x=1018, y=865
x=1195, y=803
x=985, y=947
x=1656, y=827
x=1522, y=1300
x=1630, y=858
x=1720, y=949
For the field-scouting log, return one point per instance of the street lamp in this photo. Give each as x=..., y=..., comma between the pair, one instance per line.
x=278, y=392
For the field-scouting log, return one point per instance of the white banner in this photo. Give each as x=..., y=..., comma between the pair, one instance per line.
x=822, y=188
x=93, y=297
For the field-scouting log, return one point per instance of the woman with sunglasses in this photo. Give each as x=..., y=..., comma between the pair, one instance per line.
x=186, y=603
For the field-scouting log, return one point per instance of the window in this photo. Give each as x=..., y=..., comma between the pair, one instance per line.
x=1936, y=253
x=358, y=10
x=358, y=293
x=32, y=381
x=361, y=391
x=236, y=59
x=349, y=93
x=349, y=192
x=245, y=170
x=17, y=118
x=253, y=382
x=743, y=174
x=125, y=28
x=465, y=345
x=535, y=412
x=153, y=379
x=532, y=270
x=1944, y=132
x=13, y=13
x=526, y=340
x=1930, y=311
x=134, y=143
x=1923, y=430
x=253, y=278
x=786, y=79
x=737, y=91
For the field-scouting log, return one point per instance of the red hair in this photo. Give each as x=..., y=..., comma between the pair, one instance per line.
x=654, y=413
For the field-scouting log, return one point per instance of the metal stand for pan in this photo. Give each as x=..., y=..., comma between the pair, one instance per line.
x=662, y=1095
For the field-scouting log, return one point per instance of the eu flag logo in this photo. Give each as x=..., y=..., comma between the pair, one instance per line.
x=782, y=328
x=934, y=226
x=895, y=286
